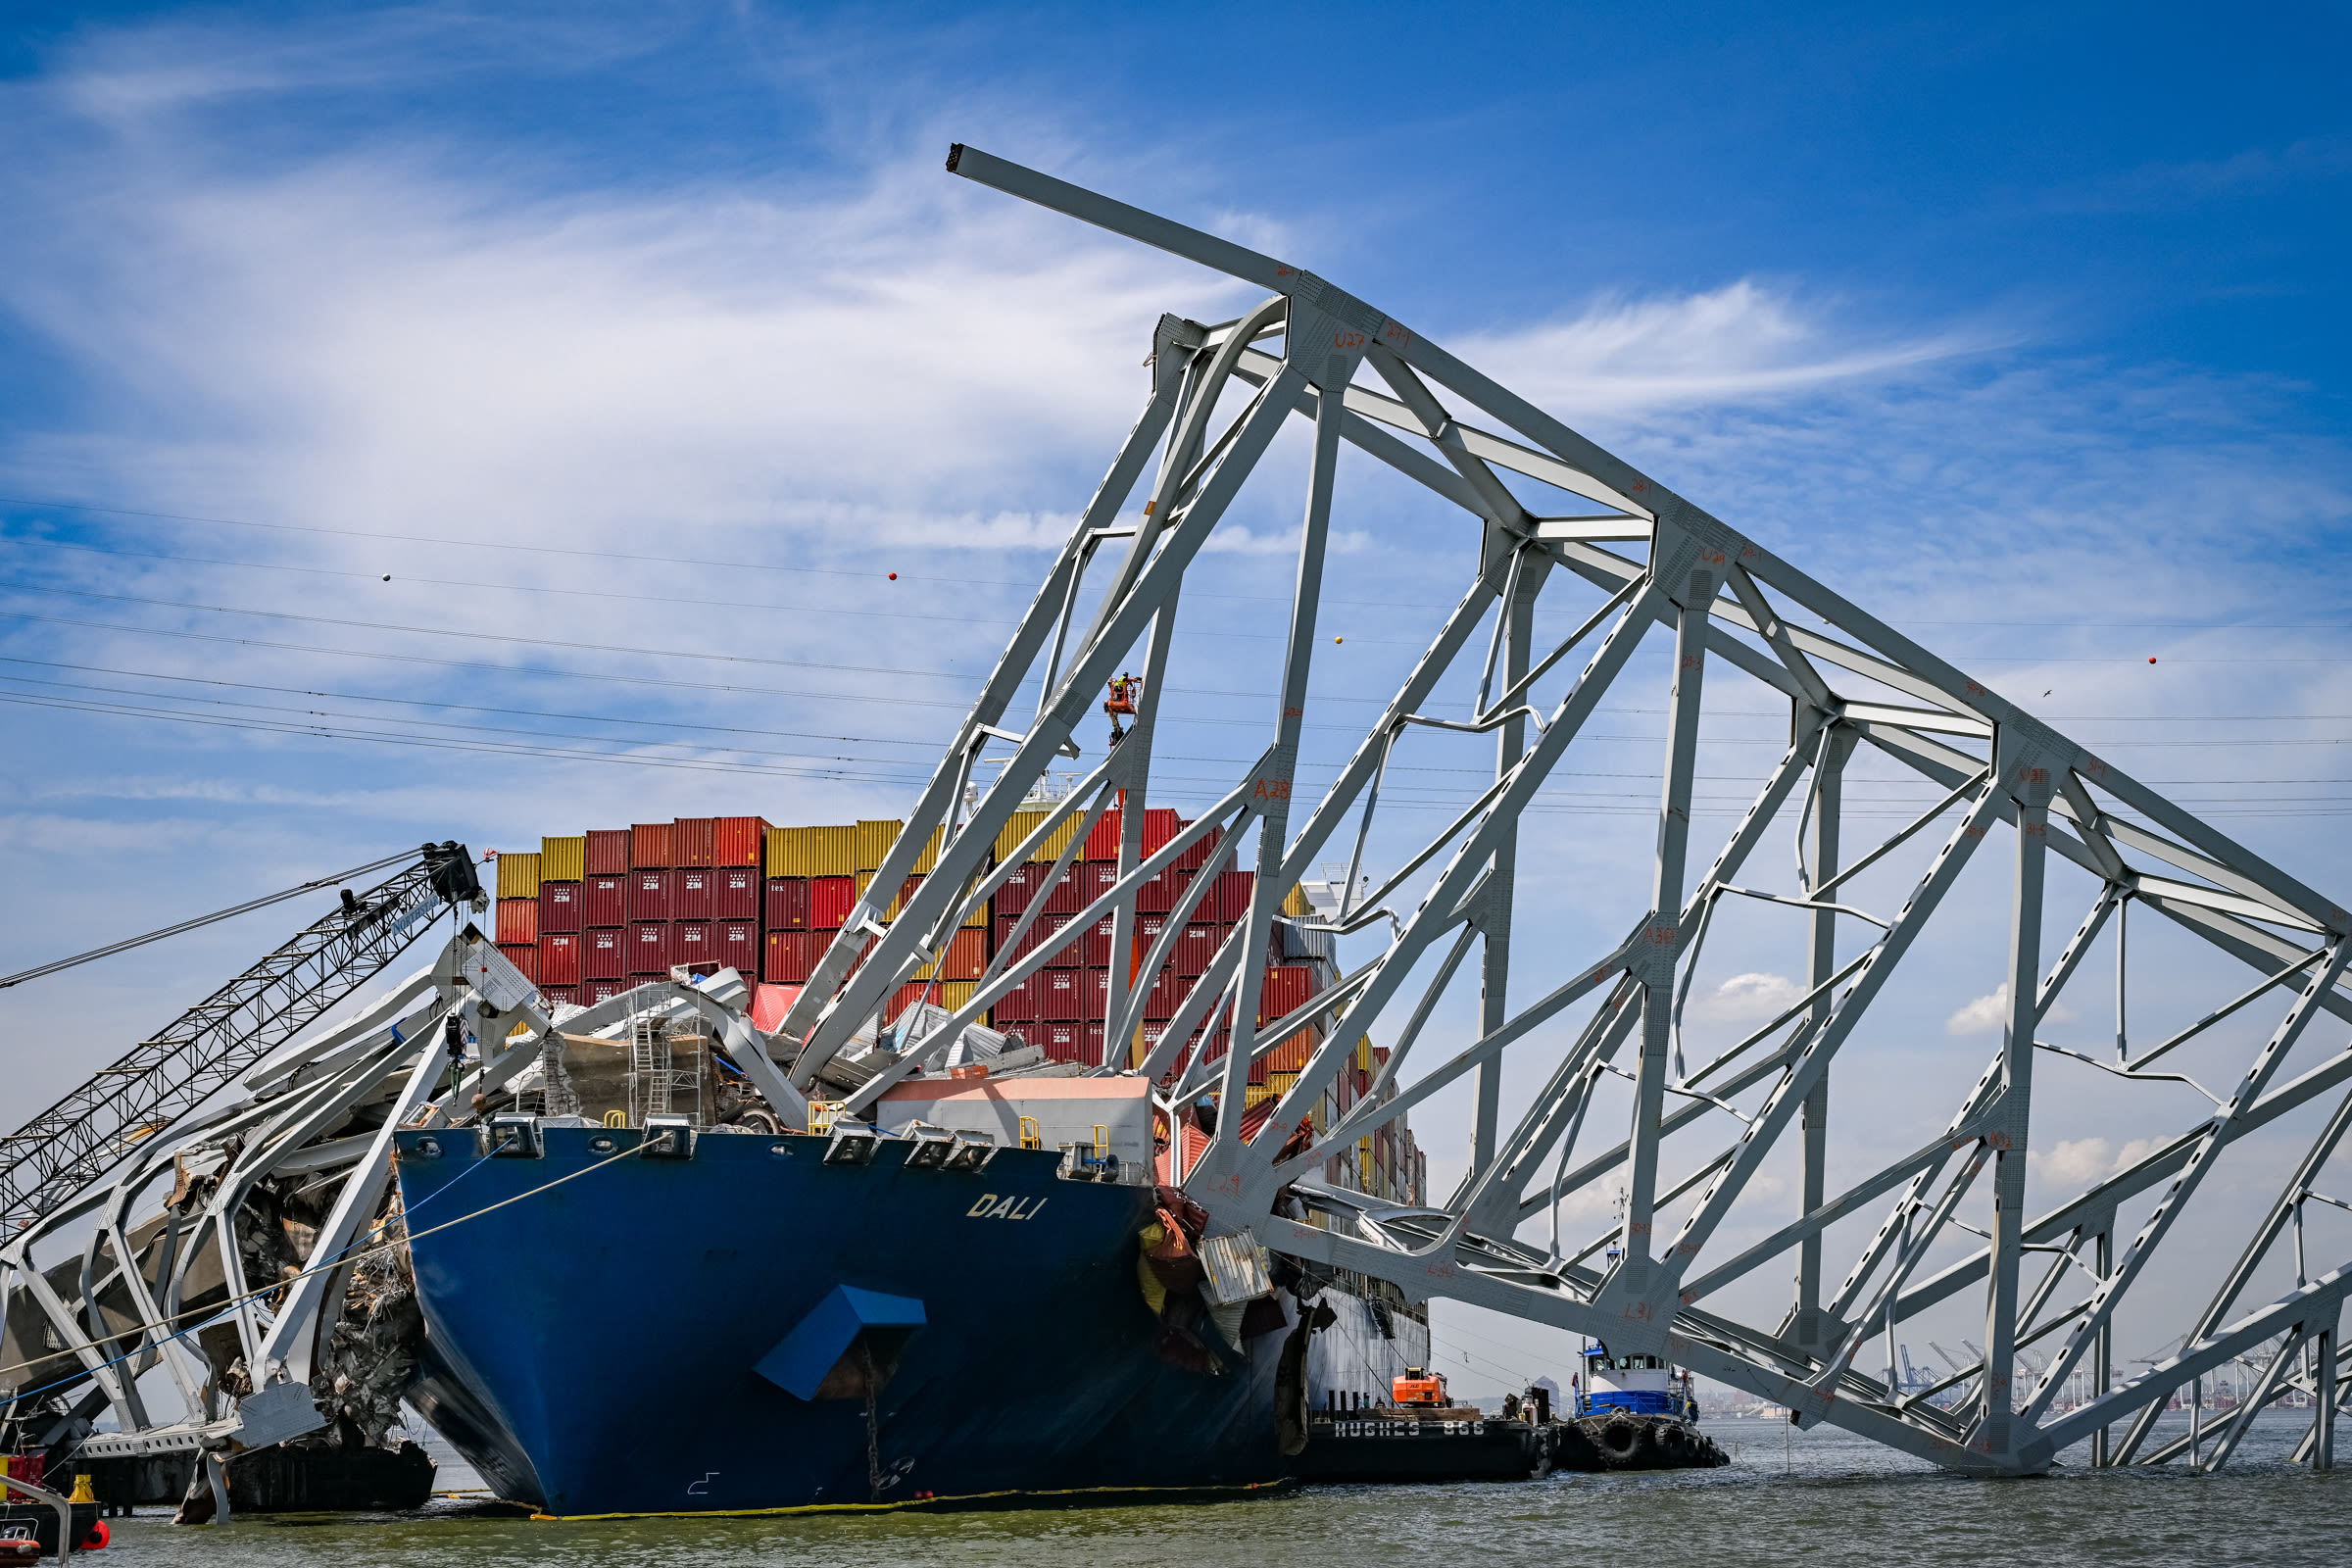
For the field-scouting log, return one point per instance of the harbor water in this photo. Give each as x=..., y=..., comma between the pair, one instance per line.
x=1817, y=1498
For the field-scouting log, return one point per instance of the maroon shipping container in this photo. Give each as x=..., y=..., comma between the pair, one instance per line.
x=652, y=846
x=693, y=840
x=1167, y=993
x=738, y=944
x=604, y=901
x=1061, y=1042
x=740, y=841
x=1094, y=1000
x=1061, y=995
x=1019, y=1005
x=1095, y=878
x=608, y=955
x=1286, y=989
x=1195, y=948
x=1148, y=930
x=788, y=904
x=1233, y=896
x=790, y=954
x=608, y=852
x=1012, y=896
x=560, y=959
x=559, y=907
x=560, y=996
x=691, y=893
x=1093, y=1041
x=1052, y=937
x=525, y=955
x=649, y=948
x=830, y=901
x=690, y=943
x=735, y=895
x=1067, y=896
x=1158, y=895
x=651, y=896
x=596, y=991
x=517, y=921
x=1094, y=943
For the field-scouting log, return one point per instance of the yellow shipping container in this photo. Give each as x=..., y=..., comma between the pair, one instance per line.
x=1017, y=827
x=791, y=851
x=956, y=995
x=519, y=876
x=1258, y=1094
x=873, y=839
x=564, y=859
x=925, y=861
x=836, y=852
x=866, y=879
x=1364, y=1053
x=1294, y=904
x=1051, y=850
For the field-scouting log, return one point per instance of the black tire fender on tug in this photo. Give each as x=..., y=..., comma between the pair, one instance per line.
x=1624, y=1441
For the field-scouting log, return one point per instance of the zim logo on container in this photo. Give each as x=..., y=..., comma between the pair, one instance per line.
x=991, y=1206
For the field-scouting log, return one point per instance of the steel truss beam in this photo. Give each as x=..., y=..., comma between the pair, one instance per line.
x=1851, y=680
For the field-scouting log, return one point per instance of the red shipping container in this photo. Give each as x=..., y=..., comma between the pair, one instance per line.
x=1012, y=896
x=735, y=895
x=1233, y=896
x=1095, y=1001
x=830, y=900
x=789, y=955
x=1019, y=1005
x=1160, y=827
x=517, y=921
x=608, y=955
x=604, y=901
x=560, y=959
x=1067, y=896
x=559, y=907
x=650, y=896
x=1061, y=995
x=649, y=948
x=1095, y=878
x=1094, y=1042
x=694, y=840
x=1290, y=1056
x=740, y=841
x=690, y=943
x=1148, y=930
x=560, y=996
x=1202, y=851
x=525, y=955
x=596, y=991
x=738, y=944
x=1167, y=993
x=652, y=846
x=1103, y=839
x=788, y=904
x=691, y=892
x=1061, y=1042
x=967, y=957
x=906, y=995
x=608, y=852
x=1286, y=989
x=1195, y=949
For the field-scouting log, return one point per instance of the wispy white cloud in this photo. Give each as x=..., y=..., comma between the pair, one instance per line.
x=1747, y=997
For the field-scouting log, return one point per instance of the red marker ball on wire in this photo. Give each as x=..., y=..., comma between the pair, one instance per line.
x=893, y=577
x=2151, y=658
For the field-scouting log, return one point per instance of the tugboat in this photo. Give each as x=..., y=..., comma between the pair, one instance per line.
x=1422, y=1436
x=1635, y=1413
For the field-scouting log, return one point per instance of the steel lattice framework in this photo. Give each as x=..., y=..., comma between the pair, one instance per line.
x=2020, y=791
x=60, y=1152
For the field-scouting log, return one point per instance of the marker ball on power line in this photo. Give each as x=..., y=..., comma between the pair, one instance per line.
x=894, y=576
x=2151, y=658
x=387, y=577
x=1339, y=639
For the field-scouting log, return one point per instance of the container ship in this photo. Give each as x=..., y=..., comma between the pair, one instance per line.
x=747, y=1316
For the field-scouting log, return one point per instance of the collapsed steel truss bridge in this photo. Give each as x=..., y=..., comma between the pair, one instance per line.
x=1645, y=560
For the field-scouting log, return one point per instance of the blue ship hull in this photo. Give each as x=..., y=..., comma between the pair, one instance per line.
x=590, y=1349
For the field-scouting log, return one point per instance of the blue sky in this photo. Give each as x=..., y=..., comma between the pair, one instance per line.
x=629, y=329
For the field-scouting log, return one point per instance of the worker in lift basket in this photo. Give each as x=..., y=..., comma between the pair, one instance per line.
x=1123, y=693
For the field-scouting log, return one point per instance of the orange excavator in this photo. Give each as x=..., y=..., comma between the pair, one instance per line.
x=1419, y=1386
